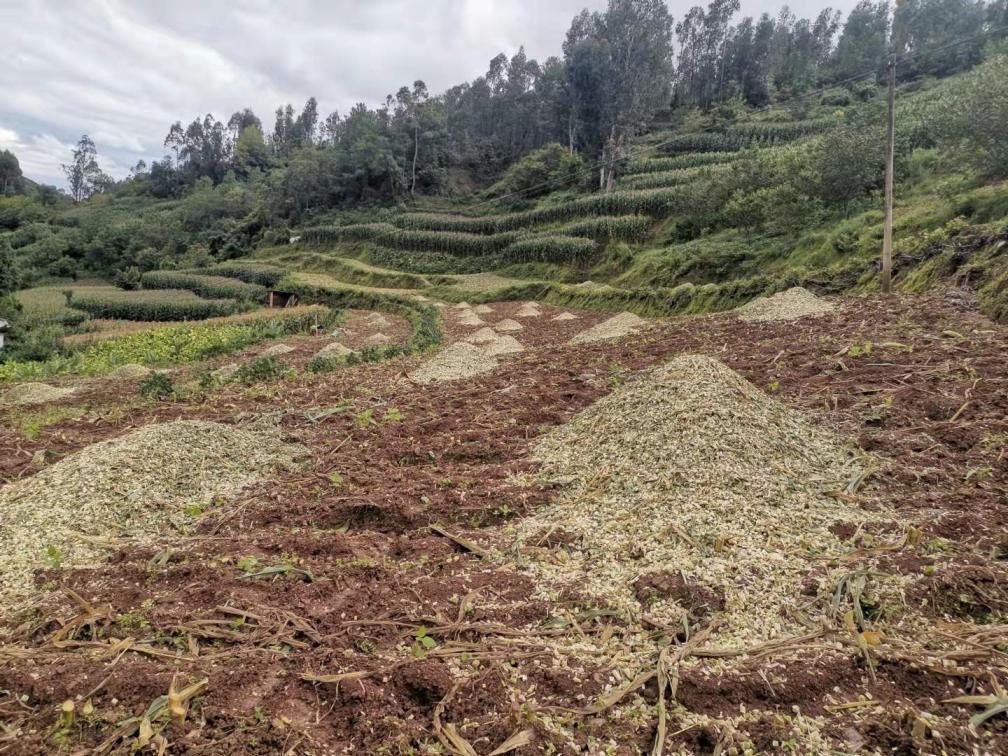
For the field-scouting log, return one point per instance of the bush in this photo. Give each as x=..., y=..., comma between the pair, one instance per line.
x=260, y=369
x=157, y=387
x=128, y=279
x=540, y=172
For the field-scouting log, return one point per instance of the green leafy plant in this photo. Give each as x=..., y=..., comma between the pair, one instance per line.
x=157, y=387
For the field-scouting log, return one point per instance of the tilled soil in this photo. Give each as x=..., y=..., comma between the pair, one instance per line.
x=349, y=606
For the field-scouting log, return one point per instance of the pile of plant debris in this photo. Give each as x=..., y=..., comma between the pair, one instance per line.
x=689, y=490
x=148, y=481
x=458, y=360
x=34, y=393
x=624, y=324
x=797, y=302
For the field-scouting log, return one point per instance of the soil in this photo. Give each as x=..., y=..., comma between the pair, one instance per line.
x=335, y=569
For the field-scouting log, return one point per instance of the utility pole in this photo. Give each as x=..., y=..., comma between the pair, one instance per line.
x=890, y=151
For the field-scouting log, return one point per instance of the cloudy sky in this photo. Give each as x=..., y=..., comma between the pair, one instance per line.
x=123, y=71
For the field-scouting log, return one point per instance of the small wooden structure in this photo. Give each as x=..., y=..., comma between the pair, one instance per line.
x=281, y=298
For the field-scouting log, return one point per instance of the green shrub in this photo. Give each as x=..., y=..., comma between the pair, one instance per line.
x=211, y=287
x=127, y=279
x=260, y=369
x=540, y=172
x=157, y=387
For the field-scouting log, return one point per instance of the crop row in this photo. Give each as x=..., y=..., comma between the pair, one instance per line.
x=689, y=160
x=180, y=305
x=210, y=287
x=609, y=228
x=731, y=141
x=781, y=132
x=512, y=245
x=655, y=203
x=264, y=275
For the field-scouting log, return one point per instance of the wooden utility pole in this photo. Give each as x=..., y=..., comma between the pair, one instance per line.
x=890, y=152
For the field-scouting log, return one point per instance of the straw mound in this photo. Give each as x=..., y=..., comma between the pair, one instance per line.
x=459, y=360
x=503, y=345
x=377, y=339
x=334, y=350
x=276, y=350
x=34, y=393
x=469, y=318
x=528, y=310
x=792, y=304
x=483, y=309
x=136, y=484
x=482, y=336
x=462, y=306
x=566, y=316
x=507, y=325
x=689, y=490
x=377, y=320
x=132, y=370
x=623, y=324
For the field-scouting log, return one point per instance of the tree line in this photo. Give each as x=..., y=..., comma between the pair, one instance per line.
x=618, y=68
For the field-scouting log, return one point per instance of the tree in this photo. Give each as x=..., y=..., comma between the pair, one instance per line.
x=632, y=53
x=250, y=151
x=863, y=41
x=84, y=177
x=10, y=173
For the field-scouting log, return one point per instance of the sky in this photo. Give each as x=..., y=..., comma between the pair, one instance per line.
x=123, y=71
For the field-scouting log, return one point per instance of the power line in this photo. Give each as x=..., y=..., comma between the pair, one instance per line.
x=590, y=170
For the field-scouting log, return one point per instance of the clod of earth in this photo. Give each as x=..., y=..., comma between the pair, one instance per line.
x=34, y=393
x=624, y=324
x=795, y=303
x=459, y=360
x=136, y=485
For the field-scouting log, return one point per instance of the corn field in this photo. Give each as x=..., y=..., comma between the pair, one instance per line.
x=210, y=287
x=661, y=164
x=609, y=228
x=565, y=249
x=158, y=305
x=264, y=275
x=654, y=203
